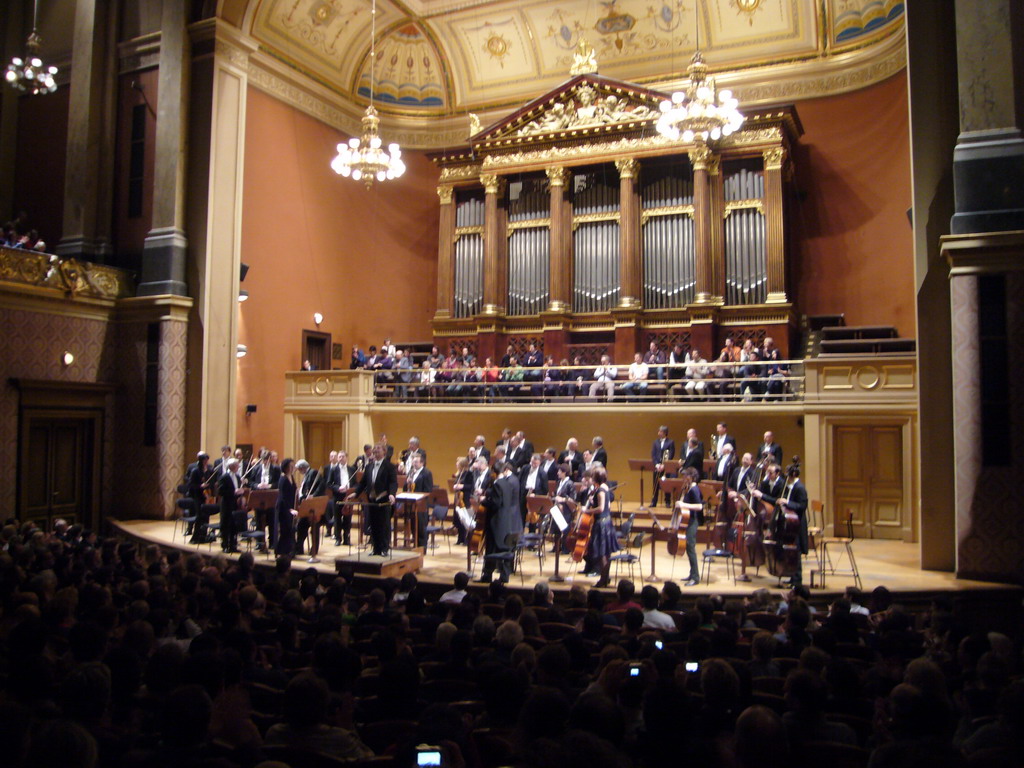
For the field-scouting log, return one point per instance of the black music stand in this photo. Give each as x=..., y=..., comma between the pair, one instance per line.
x=313, y=508
x=261, y=500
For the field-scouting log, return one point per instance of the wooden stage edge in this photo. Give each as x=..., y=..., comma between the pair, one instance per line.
x=892, y=564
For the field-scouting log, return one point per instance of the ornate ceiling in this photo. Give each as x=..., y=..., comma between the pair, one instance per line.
x=438, y=60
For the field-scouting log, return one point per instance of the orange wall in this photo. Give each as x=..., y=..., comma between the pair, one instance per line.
x=317, y=242
x=852, y=243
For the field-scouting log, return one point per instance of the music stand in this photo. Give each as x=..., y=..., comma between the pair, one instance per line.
x=410, y=504
x=261, y=500
x=646, y=465
x=570, y=506
x=672, y=486
x=313, y=508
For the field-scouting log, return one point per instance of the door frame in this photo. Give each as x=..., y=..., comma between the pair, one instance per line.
x=64, y=400
x=906, y=425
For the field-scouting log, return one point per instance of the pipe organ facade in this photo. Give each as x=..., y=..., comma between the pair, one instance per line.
x=574, y=222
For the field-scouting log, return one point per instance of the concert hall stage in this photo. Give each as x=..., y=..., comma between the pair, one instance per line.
x=892, y=564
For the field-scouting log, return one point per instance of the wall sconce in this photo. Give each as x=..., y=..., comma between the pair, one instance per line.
x=243, y=295
x=67, y=358
x=318, y=318
x=241, y=350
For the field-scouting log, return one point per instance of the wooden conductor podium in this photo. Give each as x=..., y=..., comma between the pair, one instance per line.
x=644, y=466
x=313, y=509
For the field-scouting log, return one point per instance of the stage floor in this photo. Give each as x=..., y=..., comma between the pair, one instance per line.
x=892, y=564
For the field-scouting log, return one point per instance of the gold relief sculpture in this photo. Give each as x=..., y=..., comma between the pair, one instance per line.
x=493, y=184
x=68, y=275
x=587, y=109
x=558, y=176
x=446, y=194
x=774, y=158
x=738, y=205
x=582, y=151
x=748, y=7
x=628, y=167
x=474, y=124
x=460, y=172
x=700, y=156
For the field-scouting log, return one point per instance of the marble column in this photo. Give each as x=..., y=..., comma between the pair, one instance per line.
x=445, y=253
x=988, y=162
x=629, y=232
x=495, y=245
x=216, y=143
x=89, y=124
x=560, y=274
x=700, y=158
x=775, y=233
x=165, y=247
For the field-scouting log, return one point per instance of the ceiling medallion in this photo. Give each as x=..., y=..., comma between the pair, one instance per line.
x=497, y=47
x=748, y=7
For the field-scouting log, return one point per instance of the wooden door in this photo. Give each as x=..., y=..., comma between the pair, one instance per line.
x=868, y=480
x=55, y=475
x=321, y=438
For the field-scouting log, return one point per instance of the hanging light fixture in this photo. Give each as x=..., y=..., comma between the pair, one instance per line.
x=30, y=74
x=365, y=158
x=698, y=112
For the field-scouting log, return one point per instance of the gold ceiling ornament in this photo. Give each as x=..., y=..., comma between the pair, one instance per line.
x=748, y=7
x=364, y=158
x=474, y=124
x=584, y=60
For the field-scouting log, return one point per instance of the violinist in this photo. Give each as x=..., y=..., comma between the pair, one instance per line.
x=462, y=488
x=691, y=501
x=198, y=482
x=231, y=493
x=794, y=499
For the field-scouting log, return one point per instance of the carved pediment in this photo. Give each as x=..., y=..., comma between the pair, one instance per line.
x=584, y=103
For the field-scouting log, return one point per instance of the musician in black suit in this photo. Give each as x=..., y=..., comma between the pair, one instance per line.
x=311, y=485
x=420, y=480
x=692, y=455
x=772, y=484
x=284, y=520
x=361, y=461
x=572, y=456
x=598, y=453
x=769, y=446
x=565, y=492
x=519, y=451
x=722, y=439
x=480, y=443
x=406, y=457
x=264, y=474
x=462, y=490
x=339, y=479
x=380, y=484
x=724, y=465
x=549, y=462
x=691, y=501
x=230, y=490
x=662, y=449
x=532, y=480
x=198, y=480
x=503, y=520
x=793, y=498
x=220, y=463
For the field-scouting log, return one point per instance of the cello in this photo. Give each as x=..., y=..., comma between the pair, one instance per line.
x=584, y=528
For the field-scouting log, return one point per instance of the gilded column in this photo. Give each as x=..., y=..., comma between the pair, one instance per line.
x=495, y=245
x=445, y=252
x=775, y=238
x=560, y=276
x=629, y=232
x=717, y=192
x=700, y=158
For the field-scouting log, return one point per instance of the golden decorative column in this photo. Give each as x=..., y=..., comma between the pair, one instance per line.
x=700, y=159
x=775, y=239
x=495, y=245
x=560, y=232
x=445, y=253
x=717, y=224
x=629, y=232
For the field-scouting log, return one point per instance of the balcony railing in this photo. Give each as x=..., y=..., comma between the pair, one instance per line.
x=75, y=278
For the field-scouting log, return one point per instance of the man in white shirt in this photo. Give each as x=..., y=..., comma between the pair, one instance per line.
x=636, y=387
x=696, y=372
x=456, y=595
x=653, y=618
x=604, y=378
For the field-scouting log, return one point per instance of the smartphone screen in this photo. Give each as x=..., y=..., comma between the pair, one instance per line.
x=432, y=757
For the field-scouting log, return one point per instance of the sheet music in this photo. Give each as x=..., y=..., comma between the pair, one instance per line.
x=559, y=518
x=468, y=521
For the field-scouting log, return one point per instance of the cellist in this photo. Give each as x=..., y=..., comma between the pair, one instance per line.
x=793, y=499
x=690, y=500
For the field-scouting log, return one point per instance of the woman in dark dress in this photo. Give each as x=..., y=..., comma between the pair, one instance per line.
x=603, y=542
x=283, y=512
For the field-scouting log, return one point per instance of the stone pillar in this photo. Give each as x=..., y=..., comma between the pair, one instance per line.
x=83, y=236
x=560, y=269
x=629, y=232
x=495, y=246
x=988, y=162
x=445, y=253
x=774, y=215
x=165, y=247
x=716, y=189
x=213, y=220
x=700, y=157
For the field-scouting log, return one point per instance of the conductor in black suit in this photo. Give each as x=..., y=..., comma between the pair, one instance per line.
x=503, y=520
x=420, y=480
x=380, y=484
x=662, y=449
x=229, y=488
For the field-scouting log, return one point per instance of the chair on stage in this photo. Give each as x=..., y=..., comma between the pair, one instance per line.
x=252, y=535
x=187, y=515
x=534, y=541
x=829, y=567
x=626, y=556
x=206, y=511
x=726, y=554
x=510, y=554
x=438, y=514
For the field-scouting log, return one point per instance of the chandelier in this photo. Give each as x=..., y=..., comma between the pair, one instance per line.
x=698, y=113
x=365, y=158
x=30, y=74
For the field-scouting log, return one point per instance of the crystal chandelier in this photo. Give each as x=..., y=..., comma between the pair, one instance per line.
x=30, y=74
x=698, y=113
x=365, y=158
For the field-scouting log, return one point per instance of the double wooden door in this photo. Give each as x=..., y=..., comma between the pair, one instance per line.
x=56, y=468
x=868, y=480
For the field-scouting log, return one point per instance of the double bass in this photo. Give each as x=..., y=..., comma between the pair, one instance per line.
x=782, y=550
x=757, y=513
